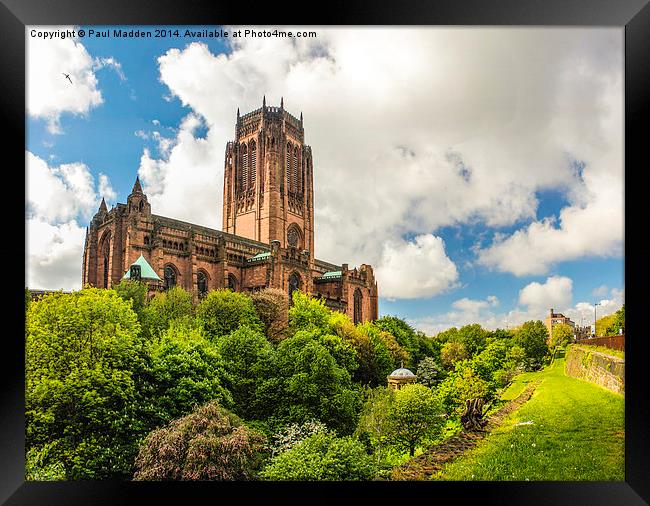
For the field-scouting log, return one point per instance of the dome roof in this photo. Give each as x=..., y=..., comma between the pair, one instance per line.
x=401, y=373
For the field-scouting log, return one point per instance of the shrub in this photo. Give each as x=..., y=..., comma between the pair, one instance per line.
x=208, y=444
x=561, y=335
x=322, y=457
x=293, y=434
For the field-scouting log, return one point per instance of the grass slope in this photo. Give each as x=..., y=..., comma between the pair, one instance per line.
x=577, y=433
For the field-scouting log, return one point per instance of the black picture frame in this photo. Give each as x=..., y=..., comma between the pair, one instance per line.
x=631, y=15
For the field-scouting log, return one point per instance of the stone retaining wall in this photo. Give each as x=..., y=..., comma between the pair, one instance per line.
x=596, y=367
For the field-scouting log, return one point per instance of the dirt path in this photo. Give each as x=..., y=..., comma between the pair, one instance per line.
x=422, y=467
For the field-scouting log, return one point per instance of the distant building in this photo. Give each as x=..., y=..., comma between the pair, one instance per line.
x=554, y=319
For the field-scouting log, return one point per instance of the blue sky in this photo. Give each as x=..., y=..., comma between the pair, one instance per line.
x=451, y=243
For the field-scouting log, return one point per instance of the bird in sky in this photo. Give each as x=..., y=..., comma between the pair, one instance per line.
x=67, y=77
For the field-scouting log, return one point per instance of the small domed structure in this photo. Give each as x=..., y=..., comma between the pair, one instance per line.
x=400, y=377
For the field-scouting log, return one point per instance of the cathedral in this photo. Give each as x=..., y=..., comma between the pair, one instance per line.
x=268, y=229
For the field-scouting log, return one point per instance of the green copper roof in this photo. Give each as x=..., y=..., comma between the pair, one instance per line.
x=260, y=256
x=332, y=274
x=145, y=269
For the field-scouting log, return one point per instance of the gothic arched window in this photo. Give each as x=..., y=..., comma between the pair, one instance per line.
x=288, y=164
x=105, y=258
x=358, y=298
x=294, y=175
x=294, y=284
x=232, y=283
x=244, y=170
x=202, y=284
x=253, y=164
x=170, y=277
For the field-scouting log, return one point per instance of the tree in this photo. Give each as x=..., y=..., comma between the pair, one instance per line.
x=306, y=383
x=532, y=336
x=247, y=358
x=209, y=444
x=224, y=311
x=416, y=414
x=83, y=354
x=272, y=306
x=451, y=353
x=415, y=343
x=322, y=457
x=463, y=384
x=429, y=372
x=307, y=313
x=562, y=334
x=164, y=308
x=135, y=291
x=186, y=371
x=376, y=420
x=473, y=337
x=618, y=324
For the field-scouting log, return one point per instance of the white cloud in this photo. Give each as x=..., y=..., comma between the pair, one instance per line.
x=415, y=129
x=61, y=193
x=49, y=93
x=599, y=291
x=412, y=269
x=57, y=197
x=54, y=255
x=556, y=292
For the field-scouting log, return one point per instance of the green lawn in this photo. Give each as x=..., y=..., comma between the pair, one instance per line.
x=577, y=434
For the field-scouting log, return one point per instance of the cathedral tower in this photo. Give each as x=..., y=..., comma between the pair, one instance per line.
x=268, y=180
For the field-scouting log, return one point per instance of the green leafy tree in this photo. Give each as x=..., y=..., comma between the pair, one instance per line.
x=83, y=355
x=415, y=343
x=429, y=372
x=376, y=421
x=135, y=291
x=416, y=414
x=463, y=384
x=451, y=353
x=164, y=308
x=490, y=363
x=501, y=334
x=224, y=311
x=308, y=383
x=307, y=313
x=208, y=444
x=618, y=324
x=186, y=370
x=562, y=335
x=272, y=307
x=447, y=336
x=247, y=358
x=322, y=457
x=473, y=337
x=532, y=336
